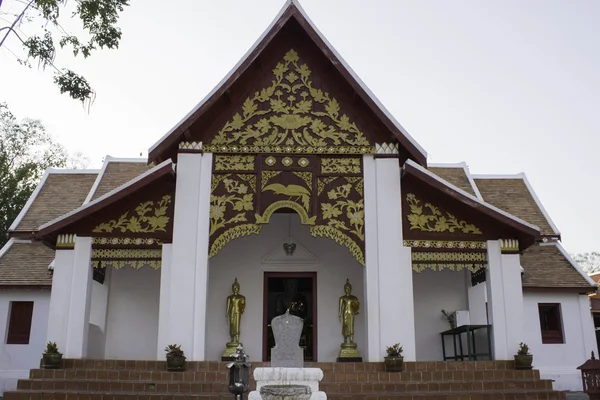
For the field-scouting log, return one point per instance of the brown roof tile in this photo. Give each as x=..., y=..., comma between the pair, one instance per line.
x=546, y=267
x=26, y=264
x=60, y=194
x=455, y=176
x=513, y=196
x=118, y=173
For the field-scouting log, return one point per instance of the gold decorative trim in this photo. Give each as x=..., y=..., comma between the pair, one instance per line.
x=234, y=163
x=354, y=210
x=136, y=254
x=341, y=239
x=231, y=234
x=386, y=148
x=120, y=241
x=266, y=176
x=322, y=182
x=509, y=246
x=340, y=165
x=421, y=221
x=445, y=244
x=65, y=241
x=303, y=162
x=304, y=218
x=237, y=197
x=250, y=179
x=307, y=177
x=418, y=267
x=270, y=161
x=449, y=256
x=290, y=116
x=142, y=223
x=357, y=183
x=287, y=161
x=190, y=146
x=208, y=148
x=135, y=264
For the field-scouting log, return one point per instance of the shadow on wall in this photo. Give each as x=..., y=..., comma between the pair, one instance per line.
x=96, y=341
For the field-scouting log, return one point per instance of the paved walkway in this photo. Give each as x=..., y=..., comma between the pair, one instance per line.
x=577, y=396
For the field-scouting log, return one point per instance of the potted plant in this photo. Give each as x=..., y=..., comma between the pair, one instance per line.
x=523, y=359
x=394, y=362
x=175, y=358
x=51, y=359
x=451, y=318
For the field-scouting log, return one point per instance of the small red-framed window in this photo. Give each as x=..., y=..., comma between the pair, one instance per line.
x=19, y=322
x=551, y=323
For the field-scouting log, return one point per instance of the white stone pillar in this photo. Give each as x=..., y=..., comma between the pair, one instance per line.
x=60, y=298
x=371, y=273
x=183, y=258
x=505, y=300
x=79, y=307
x=587, y=328
x=396, y=304
x=477, y=300
x=165, y=296
x=201, y=284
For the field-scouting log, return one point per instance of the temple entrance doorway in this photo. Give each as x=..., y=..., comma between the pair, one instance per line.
x=296, y=292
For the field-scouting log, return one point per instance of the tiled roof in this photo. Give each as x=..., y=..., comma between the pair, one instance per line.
x=118, y=173
x=513, y=196
x=546, y=267
x=455, y=176
x=60, y=193
x=26, y=264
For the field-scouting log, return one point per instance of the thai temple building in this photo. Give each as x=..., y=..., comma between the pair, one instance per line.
x=291, y=185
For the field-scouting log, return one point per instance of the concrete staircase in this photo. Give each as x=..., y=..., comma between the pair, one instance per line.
x=149, y=380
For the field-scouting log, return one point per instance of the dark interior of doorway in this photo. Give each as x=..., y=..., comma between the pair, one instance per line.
x=302, y=286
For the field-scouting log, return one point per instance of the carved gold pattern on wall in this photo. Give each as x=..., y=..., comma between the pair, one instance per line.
x=338, y=165
x=120, y=241
x=120, y=258
x=150, y=217
x=266, y=177
x=290, y=116
x=445, y=244
x=449, y=256
x=238, y=198
x=65, y=241
x=431, y=219
x=234, y=163
x=420, y=267
x=135, y=264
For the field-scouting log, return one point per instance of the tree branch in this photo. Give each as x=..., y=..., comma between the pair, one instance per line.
x=11, y=28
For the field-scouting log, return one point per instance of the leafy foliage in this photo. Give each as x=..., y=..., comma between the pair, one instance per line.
x=99, y=19
x=173, y=350
x=51, y=348
x=589, y=262
x=394, y=351
x=523, y=349
x=26, y=151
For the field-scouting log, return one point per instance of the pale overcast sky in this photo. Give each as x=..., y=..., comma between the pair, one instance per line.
x=508, y=86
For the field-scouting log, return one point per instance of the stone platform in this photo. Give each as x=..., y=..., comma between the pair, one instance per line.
x=288, y=376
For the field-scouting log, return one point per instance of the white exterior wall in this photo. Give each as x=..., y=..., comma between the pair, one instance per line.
x=132, y=318
x=434, y=291
x=17, y=359
x=98, y=308
x=559, y=361
x=242, y=258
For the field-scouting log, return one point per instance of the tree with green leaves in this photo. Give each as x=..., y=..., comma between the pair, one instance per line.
x=98, y=17
x=26, y=151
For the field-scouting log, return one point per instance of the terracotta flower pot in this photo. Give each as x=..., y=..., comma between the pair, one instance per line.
x=523, y=362
x=175, y=363
x=51, y=360
x=394, y=364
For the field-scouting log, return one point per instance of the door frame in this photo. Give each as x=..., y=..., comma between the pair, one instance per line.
x=267, y=275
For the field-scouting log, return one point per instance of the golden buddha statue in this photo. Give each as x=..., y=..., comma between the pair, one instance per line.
x=236, y=304
x=348, y=308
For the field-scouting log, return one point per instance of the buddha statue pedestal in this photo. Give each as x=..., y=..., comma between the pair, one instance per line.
x=349, y=353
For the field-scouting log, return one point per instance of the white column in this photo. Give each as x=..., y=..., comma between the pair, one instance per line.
x=395, y=265
x=477, y=299
x=587, y=328
x=371, y=274
x=505, y=301
x=79, y=307
x=60, y=298
x=163, y=308
x=201, y=284
x=98, y=313
x=183, y=258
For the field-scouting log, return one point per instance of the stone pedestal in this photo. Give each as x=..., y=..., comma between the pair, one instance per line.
x=288, y=376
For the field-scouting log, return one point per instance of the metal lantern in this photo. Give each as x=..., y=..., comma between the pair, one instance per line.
x=590, y=377
x=239, y=373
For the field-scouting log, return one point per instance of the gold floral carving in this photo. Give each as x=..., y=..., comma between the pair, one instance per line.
x=234, y=163
x=340, y=165
x=291, y=116
x=354, y=211
x=304, y=218
x=434, y=221
x=448, y=256
x=303, y=162
x=120, y=241
x=306, y=177
x=322, y=182
x=250, y=179
x=231, y=234
x=266, y=176
x=142, y=223
x=270, y=161
x=340, y=238
x=126, y=254
x=236, y=197
x=65, y=241
x=297, y=191
x=118, y=264
x=419, y=267
x=445, y=244
x=357, y=183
